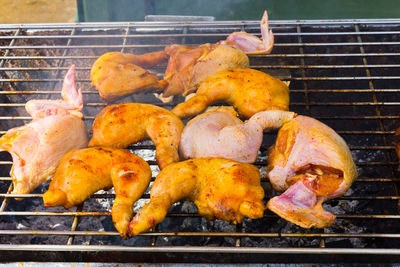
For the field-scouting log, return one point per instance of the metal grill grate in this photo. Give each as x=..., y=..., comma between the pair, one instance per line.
x=344, y=73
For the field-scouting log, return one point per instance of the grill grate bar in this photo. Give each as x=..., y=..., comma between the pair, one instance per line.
x=388, y=90
x=147, y=196
x=330, y=55
x=221, y=35
x=162, y=46
x=252, y=66
x=288, y=79
x=105, y=213
x=203, y=234
x=359, y=179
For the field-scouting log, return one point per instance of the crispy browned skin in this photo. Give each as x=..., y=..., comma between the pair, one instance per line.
x=82, y=172
x=249, y=91
x=121, y=125
x=220, y=188
x=118, y=74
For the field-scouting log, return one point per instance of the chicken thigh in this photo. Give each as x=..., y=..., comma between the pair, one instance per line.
x=82, y=172
x=37, y=147
x=220, y=188
x=313, y=164
x=188, y=66
x=121, y=125
x=220, y=133
x=118, y=74
x=249, y=91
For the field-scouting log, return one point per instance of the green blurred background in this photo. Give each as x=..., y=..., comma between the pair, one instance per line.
x=135, y=10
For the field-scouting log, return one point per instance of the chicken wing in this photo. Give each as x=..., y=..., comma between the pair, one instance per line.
x=37, y=147
x=251, y=44
x=83, y=172
x=249, y=91
x=219, y=133
x=121, y=125
x=220, y=188
x=117, y=74
x=312, y=163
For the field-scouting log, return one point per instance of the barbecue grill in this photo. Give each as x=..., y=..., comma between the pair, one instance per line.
x=342, y=72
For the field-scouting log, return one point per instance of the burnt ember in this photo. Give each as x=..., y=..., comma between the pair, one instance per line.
x=344, y=74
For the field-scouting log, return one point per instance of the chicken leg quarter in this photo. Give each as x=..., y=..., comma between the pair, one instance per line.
x=37, y=147
x=248, y=91
x=313, y=164
x=83, y=172
x=220, y=188
x=121, y=125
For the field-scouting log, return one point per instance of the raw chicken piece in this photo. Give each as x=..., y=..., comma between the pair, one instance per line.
x=37, y=147
x=251, y=44
x=187, y=67
x=121, y=125
x=115, y=74
x=83, y=172
x=220, y=188
x=312, y=163
x=249, y=91
x=220, y=133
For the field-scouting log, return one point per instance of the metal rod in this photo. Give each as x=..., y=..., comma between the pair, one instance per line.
x=204, y=249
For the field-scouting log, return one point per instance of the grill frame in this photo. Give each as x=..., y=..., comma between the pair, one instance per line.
x=282, y=29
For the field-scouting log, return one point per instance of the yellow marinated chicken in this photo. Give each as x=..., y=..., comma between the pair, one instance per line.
x=313, y=164
x=248, y=91
x=118, y=74
x=121, y=125
x=220, y=188
x=83, y=172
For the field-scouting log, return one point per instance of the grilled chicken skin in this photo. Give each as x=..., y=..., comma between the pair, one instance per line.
x=37, y=147
x=83, y=172
x=219, y=133
x=312, y=163
x=118, y=74
x=121, y=125
x=248, y=91
x=220, y=188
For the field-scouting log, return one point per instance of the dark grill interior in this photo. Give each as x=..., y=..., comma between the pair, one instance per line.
x=344, y=73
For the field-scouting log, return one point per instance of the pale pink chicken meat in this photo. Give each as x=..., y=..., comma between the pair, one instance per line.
x=251, y=44
x=313, y=164
x=220, y=133
x=37, y=147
